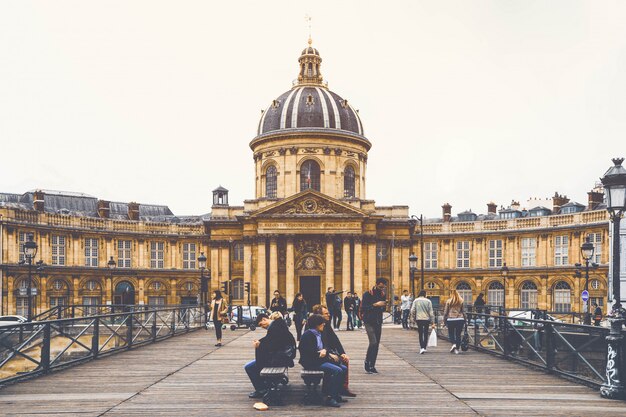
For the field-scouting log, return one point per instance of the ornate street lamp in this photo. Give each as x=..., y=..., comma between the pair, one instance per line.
x=614, y=182
x=412, y=224
x=111, y=265
x=412, y=269
x=586, y=251
x=30, y=251
x=204, y=284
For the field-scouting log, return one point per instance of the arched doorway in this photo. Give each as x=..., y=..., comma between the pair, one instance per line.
x=124, y=293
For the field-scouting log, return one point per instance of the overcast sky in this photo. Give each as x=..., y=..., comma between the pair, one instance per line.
x=464, y=102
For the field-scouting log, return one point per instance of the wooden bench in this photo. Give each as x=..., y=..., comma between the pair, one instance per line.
x=312, y=379
x=274, y=378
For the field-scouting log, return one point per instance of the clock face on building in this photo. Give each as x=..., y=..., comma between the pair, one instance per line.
x=310, y=206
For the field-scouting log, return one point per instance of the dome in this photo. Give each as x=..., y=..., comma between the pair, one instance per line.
x=310, y=107
x=309, y=104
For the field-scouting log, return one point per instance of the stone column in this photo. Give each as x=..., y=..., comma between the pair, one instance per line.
x=108, y=290
x=261, y=292
x=173, y=247
x=371, y=260
x=345, y=265
x=173, y=294
x=273, y=265
x=396, y=278
x=215, y=268
x=43, y=305
x=290, y=284
x=140, y=259
x=358, y=266
x=10, y=303
x=247, y=263
x=74, y=299
x=225, y=264
x=330, y=264
x=141, y=299
x=406, y=273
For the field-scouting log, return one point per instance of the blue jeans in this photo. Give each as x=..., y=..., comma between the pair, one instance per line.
x=455, y=327
x=334, y=376
x=405, y=318
x=254, y=373
x=350, y=320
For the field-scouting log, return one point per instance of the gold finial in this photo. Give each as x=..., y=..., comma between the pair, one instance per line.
x=310, y=41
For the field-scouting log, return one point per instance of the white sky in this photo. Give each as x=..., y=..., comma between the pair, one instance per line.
x=464, y=101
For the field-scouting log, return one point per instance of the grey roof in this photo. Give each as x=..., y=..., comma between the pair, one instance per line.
x=538, y=208
x=305, y=107
x=573, y=204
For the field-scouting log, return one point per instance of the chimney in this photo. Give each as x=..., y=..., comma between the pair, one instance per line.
x=104, y=208
x=595, y=199
x=133, y=211
x=515, y=205
x=492, y=208
x=447, y=210
x=558, y=201
x=38, y=200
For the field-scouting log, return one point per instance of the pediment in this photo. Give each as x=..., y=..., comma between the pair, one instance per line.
x=309, y=203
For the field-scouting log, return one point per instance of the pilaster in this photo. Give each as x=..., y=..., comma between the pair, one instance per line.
x=290, y=276
x=273, y=265
x=261, y=273
x=330, y=264
x=358, y=266
x=345, y=265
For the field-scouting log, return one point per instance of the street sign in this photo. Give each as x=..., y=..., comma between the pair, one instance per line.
x=585, y=295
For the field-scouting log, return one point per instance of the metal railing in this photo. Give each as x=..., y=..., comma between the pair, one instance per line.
x=85, y=310
x=572, y=350
x=39, y=347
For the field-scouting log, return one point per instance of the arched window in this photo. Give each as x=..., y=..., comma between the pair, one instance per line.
x=348, y=182
x=58, y=285
x=189, y=286
x=310, y=176
x=157, y=285
x=270, y=182
x=528, y=295
x=562, y=296
x=238, y=289
x=431, y=285
x=92, y=285
x=465, y=291
x=495, y=294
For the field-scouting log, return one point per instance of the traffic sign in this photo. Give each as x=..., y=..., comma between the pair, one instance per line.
x=585, y=295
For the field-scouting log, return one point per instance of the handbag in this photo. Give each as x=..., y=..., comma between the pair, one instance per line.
x=432, y=340
x=465, y=340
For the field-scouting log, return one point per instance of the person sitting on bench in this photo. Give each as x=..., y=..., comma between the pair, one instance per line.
x=335, y=349
x=314, y=356
x=277, y=348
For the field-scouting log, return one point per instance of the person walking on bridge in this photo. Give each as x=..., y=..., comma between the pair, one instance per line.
x=454, y=317
x=373, y=306
x=422, y=314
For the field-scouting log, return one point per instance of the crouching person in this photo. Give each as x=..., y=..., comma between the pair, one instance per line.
x=315, y=357
x=277, y=348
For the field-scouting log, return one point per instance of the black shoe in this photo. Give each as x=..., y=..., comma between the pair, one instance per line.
x=257, y=394
x=339, y=399
x=367, y=367
x=331, y=402
x=373, y=370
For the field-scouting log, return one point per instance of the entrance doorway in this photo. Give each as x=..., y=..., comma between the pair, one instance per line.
x=124, y=294
x=310, y=289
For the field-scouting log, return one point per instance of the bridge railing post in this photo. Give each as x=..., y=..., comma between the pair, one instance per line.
x=45, y=349
x=129, y=330
x=154, y=325
x=476, y=331
x=95, y=338
x=550, y=347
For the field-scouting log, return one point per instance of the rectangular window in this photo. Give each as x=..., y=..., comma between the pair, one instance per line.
x=124, y=254
x=561, y=250
x=91, y=252
x=529, y=246
x=430, y=255
x=463, y=254
x=238, y=252
x=529, y=298
x=189, y=256
x=58, y=250
x=21, y=306
x=157, y=255
x=495, y=253
x=156, y=301
x=91, y=301
x=598, y=300
x=23, y=238
x=596, y=239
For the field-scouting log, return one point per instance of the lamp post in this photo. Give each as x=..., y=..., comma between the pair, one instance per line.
x=30, y=251
x=586, y=250
x=412, y=223
x=505, y=273
x=111, y=265
x=412, y=269
x=204, y=284
x=614, y=182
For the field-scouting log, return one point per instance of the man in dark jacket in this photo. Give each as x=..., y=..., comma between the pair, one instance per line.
x=348, y=305
x=330, y=303
x=373, y=306
x=277, y=348
x=278, y=304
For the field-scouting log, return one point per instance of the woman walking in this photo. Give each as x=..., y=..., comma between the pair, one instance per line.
x=218, y=310
x=422, y=313
x=300, y=313
x=454, y=317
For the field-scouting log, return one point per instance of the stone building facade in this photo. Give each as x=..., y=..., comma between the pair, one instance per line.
x=309, y=226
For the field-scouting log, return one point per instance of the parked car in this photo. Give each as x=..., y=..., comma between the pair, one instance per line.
x=9, y=320
x=248, y=316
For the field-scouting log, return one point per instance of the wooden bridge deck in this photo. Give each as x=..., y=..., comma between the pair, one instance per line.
x=187, y=376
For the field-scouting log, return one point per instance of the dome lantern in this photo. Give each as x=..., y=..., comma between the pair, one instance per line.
x=310, y=61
